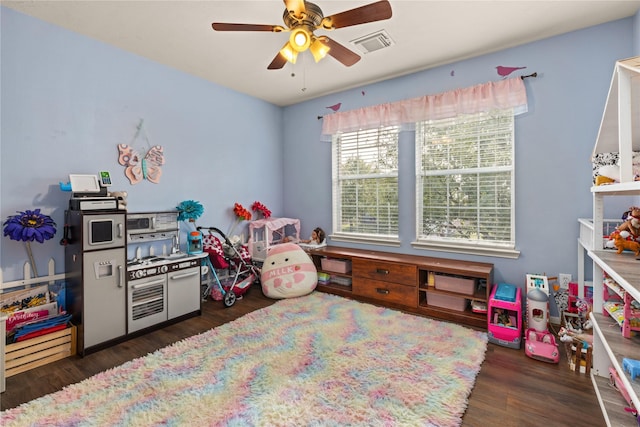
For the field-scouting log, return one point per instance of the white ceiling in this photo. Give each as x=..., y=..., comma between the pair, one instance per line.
x=426, y=34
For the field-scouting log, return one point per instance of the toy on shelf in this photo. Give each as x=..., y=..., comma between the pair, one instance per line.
x=632, y=367
x=479, y=306
x=620, y=306
x=540, y=344
x=623, y=244
x=505, y=316
x=626, y=236
x=631, y=222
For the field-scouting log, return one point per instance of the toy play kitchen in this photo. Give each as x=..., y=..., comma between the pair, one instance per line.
x=160, y=287
x=125, y=271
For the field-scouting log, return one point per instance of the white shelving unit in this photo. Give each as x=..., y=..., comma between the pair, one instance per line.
x=619, y=132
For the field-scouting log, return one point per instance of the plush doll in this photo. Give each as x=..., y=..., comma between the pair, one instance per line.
x=288, y=272
x=631, y=223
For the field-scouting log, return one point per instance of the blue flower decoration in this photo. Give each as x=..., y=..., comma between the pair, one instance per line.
x=189, y=210
x=29, y=225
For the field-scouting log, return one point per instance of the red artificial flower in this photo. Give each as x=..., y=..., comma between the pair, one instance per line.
x=259, y=207
x=241, y=212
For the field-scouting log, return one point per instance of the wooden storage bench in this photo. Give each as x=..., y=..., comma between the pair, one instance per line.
x=25, y=355
x=403, y=281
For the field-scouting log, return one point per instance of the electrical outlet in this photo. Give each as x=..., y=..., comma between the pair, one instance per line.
x=563, y=280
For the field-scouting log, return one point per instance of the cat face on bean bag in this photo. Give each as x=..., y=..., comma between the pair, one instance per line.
x=288, y=272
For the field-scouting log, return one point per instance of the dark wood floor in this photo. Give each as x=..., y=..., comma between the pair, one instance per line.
x=511, y=389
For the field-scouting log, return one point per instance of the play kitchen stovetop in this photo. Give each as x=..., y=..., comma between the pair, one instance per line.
x=156, y=265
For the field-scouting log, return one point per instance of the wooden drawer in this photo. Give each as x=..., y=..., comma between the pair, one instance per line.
x=385, y=271
x=385, y=291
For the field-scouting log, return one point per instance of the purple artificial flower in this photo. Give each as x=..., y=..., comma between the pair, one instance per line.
x=29, y=225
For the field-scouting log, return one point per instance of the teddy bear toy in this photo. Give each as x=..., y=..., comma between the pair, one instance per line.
x=121, y=197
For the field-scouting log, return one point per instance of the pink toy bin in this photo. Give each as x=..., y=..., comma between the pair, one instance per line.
x=504, y=316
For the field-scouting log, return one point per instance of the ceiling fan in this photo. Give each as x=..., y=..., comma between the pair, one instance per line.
x=302, y=18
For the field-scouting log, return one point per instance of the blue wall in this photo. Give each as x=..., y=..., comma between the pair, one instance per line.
x=554, y=141
x=68, y=100
x=636, y=34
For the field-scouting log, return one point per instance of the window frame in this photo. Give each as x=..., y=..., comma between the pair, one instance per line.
x=504, y=249
x=337, y=178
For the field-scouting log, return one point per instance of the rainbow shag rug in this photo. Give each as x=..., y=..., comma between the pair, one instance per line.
x=317, y=360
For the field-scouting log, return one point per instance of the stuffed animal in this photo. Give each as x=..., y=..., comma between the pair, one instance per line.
x=121, y=197
x=631, y=222
x=288, y=272
x=624, y=244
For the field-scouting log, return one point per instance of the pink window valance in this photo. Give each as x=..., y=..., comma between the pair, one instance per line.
x=509, y=93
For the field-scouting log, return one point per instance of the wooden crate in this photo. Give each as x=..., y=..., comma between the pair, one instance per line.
x=25, y=355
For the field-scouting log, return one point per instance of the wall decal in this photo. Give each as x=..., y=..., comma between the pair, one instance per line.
x=335, y=107
x=137, y=166
x=505, y=71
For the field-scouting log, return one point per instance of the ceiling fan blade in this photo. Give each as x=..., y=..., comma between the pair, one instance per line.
x=341, y=53
x=278, y=62
x=372, y=12
x=225, y=26
x=296, y=7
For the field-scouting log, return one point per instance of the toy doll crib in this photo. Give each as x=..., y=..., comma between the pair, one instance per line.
x=265, y=233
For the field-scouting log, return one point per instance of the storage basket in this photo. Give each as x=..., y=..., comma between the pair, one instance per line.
x=336, y=265
x=455, y=284
x=447, y=301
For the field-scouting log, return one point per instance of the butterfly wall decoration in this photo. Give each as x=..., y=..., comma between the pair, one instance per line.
x=140, y=166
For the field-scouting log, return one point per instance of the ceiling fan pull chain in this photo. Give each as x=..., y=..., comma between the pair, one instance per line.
x=304, y=76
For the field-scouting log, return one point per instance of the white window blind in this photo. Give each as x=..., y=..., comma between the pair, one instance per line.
x=465, y=180
x=365, y=183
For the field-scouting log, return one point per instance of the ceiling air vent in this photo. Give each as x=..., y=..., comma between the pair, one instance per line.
x=372, y=42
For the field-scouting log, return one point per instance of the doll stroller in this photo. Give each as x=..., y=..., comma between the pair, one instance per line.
x=231, y=271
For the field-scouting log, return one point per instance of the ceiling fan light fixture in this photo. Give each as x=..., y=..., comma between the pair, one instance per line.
x=289, y=53
x=319, y=49
x=302, y=17
x=300, y=39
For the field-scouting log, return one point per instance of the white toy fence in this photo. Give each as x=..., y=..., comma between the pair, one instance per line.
x=50, y=278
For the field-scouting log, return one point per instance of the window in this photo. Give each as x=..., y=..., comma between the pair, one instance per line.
x=365, y=185
x=465, y=183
